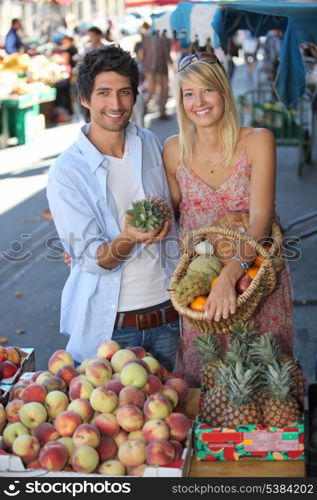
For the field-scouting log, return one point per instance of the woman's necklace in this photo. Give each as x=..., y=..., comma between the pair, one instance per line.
x=211, y=171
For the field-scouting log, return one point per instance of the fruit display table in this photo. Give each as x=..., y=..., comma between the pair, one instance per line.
x=242, y=468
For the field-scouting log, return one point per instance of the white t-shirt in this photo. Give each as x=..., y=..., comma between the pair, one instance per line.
x=143, y=280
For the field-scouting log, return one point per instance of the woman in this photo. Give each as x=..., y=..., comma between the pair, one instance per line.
x=214, y=167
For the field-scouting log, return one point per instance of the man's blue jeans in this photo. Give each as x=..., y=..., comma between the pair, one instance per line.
x=160, y=341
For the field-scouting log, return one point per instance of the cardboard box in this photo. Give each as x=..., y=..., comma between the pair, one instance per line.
x=249, y=441
x=12, y=466
x=27, y=365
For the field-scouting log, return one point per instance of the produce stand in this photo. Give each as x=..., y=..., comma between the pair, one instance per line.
x=242, y=468
x=21, y=115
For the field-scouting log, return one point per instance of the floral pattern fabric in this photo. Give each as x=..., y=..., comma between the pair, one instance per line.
x=200, y=207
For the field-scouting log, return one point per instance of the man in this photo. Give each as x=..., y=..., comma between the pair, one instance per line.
x=119, y=277
x=13, y=42
x=95, y=39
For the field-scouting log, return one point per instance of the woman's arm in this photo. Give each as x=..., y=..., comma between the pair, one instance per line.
x=170, y=160
x=261, y=155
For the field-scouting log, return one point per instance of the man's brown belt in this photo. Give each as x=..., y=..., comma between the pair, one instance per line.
x=151, y=319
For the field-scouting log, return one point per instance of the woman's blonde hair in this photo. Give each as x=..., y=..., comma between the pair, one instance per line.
x=211, y=76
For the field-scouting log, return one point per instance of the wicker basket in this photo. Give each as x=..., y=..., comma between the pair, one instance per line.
x=262, y=285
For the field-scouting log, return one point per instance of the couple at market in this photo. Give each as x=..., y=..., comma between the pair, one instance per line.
x=118, y=283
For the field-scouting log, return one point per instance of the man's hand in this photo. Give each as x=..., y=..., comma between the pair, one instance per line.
x=145, y=237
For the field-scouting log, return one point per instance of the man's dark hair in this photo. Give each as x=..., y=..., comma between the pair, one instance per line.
x=108, y=58
x=95, y=30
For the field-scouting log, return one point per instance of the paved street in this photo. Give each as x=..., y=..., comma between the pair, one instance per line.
x=29, y=261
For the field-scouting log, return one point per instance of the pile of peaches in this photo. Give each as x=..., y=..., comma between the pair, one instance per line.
x=10, y=361
x=114, y=414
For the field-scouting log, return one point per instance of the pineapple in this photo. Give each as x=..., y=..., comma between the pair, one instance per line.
x=149, y=214
x=215, y=398
x=280, y=408
x=241, y=385
x=208, y=350
x=237, y=351
x=243, y=332
x=266, y=350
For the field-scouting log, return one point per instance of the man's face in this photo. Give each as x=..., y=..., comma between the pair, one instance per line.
x=17, y=25
x=111, y=101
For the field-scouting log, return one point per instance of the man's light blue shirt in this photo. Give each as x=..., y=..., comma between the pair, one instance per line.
x=85, y=216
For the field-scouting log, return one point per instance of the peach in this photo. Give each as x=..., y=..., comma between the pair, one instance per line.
x=134, y=374
x=178, y=447
x=157, y=406
x=3, y=416
x=32, y=414
x=159, y=452
x=18, y=389
x=103, y=400
x=35, y=375
x=53, y=456
x=86, y=434
x=12, y=410
x=164, y=374
x=120, y=357
x=138, y=471
x=59, y=359
x=152, y=385
x=55, y=403
x=130, y=417
x=116, y=376
x=172, y=395
x=79, y=378
x=43, y=376
x=13, y=355
x=180, y=387
x=121, y=437
x=112, y=468
x=35, y=464
x=3, y=354
x=8, y=369
x=98, y=373
x=138, y=350
x=45, y=432
x=155, y=429
x=67, y=422
x=81, y=389
x=67, y=373
x=85, y=459
x=152, y=364
x=34, y=392
x=132, y=452
x=138, y=361
x=107, y=424
x=131, y=395
x=12, y=431
x=27, y=447
x=136, y=435
x=179, y=426
x=107, y=448
x=83, y=408
x=54, y=384
x=69, y=443
x=107, y=349
x=114, y=385
x=82, y=367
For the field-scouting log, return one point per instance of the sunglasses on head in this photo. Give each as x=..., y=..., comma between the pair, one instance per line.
x=208, y=57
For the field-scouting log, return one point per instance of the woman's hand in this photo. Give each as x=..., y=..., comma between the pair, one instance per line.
x=221, y=301
x=66, y=258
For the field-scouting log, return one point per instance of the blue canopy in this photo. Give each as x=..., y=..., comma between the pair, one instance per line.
x=297, y=19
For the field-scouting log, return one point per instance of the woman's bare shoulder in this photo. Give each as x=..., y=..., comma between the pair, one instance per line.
x=170, y=152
